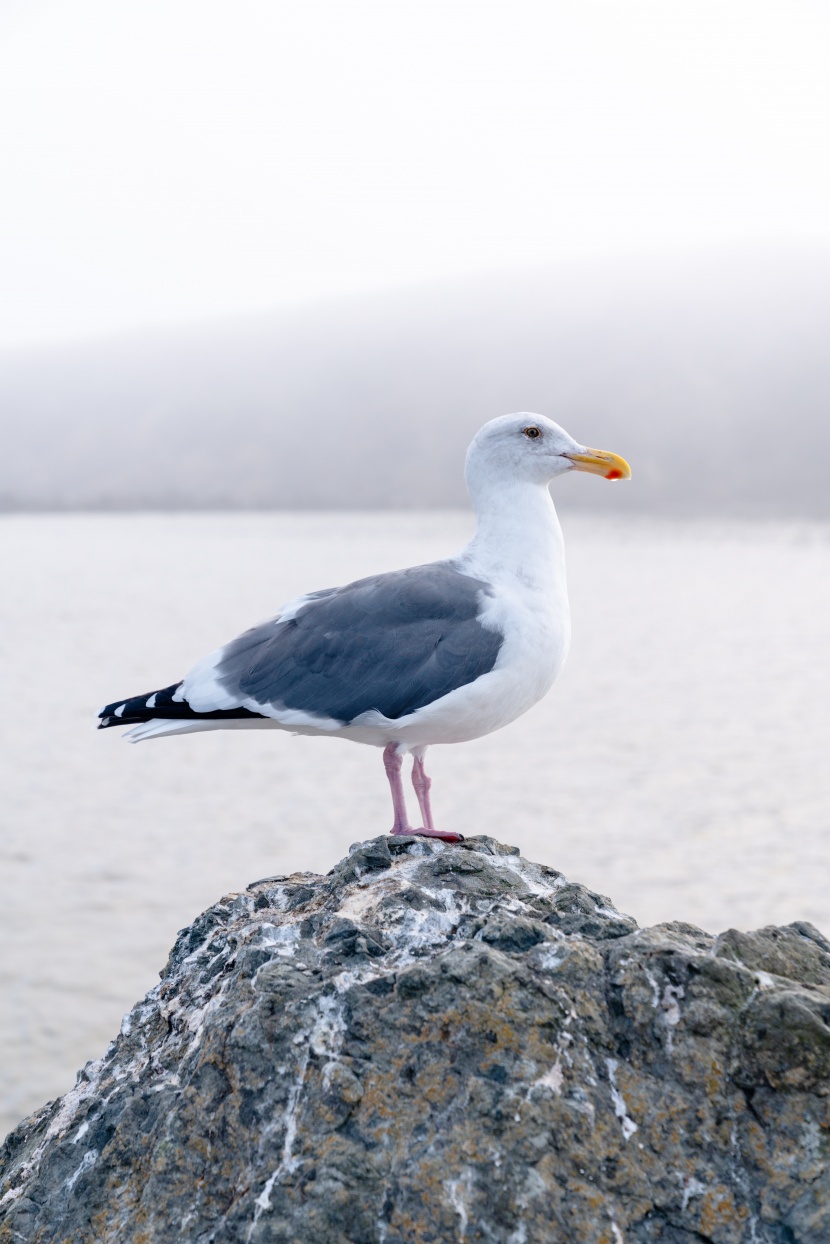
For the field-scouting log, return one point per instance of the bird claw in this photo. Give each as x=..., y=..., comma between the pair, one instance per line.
x=447, y=836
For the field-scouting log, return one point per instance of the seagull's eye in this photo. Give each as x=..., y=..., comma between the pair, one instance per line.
x=532, y=433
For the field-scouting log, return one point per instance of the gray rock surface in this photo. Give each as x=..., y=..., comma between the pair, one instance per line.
x=446, y=1043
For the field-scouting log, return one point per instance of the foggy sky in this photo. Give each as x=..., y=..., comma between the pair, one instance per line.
x=171, y=161
x=713, y=379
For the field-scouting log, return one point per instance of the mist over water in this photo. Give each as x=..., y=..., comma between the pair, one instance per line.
x=711, y=377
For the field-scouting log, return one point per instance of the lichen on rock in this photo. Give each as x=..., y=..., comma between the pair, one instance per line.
x=446, y=1043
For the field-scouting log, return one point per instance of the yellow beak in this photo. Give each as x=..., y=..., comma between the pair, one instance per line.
x=598, y=462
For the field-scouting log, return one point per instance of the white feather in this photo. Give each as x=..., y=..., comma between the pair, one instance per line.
x=160, y=726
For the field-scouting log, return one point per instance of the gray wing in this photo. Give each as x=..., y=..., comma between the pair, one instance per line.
x=392, y=642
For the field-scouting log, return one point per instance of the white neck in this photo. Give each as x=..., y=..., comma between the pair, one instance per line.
x=517, y=535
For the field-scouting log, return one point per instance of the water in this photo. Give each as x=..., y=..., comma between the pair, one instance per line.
x=679, y=766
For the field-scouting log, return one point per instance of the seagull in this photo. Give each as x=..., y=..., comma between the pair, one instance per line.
x=441, y=653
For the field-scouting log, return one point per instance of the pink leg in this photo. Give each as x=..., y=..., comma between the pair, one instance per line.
x=392, y=764
x=422, y=784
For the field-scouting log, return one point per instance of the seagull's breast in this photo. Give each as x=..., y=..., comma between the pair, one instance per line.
x=536, y=626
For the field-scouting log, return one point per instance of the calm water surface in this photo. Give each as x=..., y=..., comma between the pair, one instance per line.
x=679, y=766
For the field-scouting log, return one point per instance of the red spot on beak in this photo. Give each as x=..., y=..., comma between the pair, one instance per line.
x=614, y=474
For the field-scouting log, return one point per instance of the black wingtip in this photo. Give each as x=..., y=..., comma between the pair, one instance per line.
x=136, y=710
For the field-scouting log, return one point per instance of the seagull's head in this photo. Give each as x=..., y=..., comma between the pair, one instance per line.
x=535, y=449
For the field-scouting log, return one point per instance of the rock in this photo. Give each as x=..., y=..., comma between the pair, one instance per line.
x=446, y=1043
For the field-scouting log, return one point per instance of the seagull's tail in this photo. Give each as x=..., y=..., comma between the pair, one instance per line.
x=159, y=725
x=166, y=712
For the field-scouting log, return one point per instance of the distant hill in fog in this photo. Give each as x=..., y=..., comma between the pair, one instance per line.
x=712, y=379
